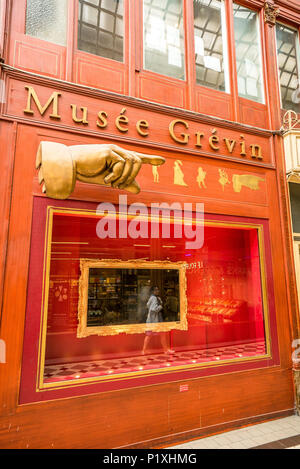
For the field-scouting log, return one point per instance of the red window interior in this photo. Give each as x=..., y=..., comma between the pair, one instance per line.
x=224, y=295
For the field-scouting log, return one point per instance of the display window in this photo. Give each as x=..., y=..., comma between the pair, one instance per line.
x=123, y=307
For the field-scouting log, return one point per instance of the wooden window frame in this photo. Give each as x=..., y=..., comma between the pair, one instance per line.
x=248, y=111
x=87, y=67
x=224, y=101
x=129, y=78
x=31, y=53
x=153, y=86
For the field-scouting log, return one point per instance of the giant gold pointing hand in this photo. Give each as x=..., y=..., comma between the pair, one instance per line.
x=60, y=166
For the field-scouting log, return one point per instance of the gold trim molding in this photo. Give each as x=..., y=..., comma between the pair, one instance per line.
x=85, y=264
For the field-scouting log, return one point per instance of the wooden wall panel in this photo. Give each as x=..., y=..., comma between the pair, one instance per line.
x=254, y=114
x=267, y=398
x=106, y=75
x=137, y=416
x=7, y=139
x=15, y=285
x=2, y=24
x=215, y=103
x=33, y=56
x=162, y=90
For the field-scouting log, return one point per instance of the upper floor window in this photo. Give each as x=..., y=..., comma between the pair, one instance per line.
x=288, y=64
x=248, y=54
x=161, y=48
x=47, y=20
x=101, y=28
x=164, y=37
x=211, y=44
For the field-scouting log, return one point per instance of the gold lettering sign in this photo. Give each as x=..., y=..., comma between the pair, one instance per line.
x=140, y=125
x=122, y=121
x=214, y=142
x=184, y=138
x=102, y=119
x=42, y=109
x=256, y=152
x=79, y=120
x=178, y=128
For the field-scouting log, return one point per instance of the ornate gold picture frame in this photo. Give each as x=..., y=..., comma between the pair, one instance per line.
x=84, y=329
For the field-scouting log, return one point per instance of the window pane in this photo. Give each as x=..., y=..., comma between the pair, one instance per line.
x=164, y=37
x=118, y=297
x=210, y=44
x=47, y=19
x=248, y=54
x=100, y=28
x=288, y=63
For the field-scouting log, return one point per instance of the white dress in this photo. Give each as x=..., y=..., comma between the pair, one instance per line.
x=154, y=306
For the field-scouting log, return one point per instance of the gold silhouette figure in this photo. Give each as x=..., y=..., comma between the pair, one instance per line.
x=250, y=181
x=60, y=166
x=178, y=174
x=155, y=174
x=201, y=177
x=224, y=179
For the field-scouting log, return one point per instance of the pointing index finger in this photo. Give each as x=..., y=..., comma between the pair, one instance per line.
x=155, y=160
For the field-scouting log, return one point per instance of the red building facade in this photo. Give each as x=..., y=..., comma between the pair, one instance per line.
x=197, y=89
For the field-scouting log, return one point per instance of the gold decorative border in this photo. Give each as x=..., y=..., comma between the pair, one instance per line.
x=85, y=264
x=41, y=386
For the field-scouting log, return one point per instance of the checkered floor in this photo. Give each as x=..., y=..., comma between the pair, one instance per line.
x=89, y=369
